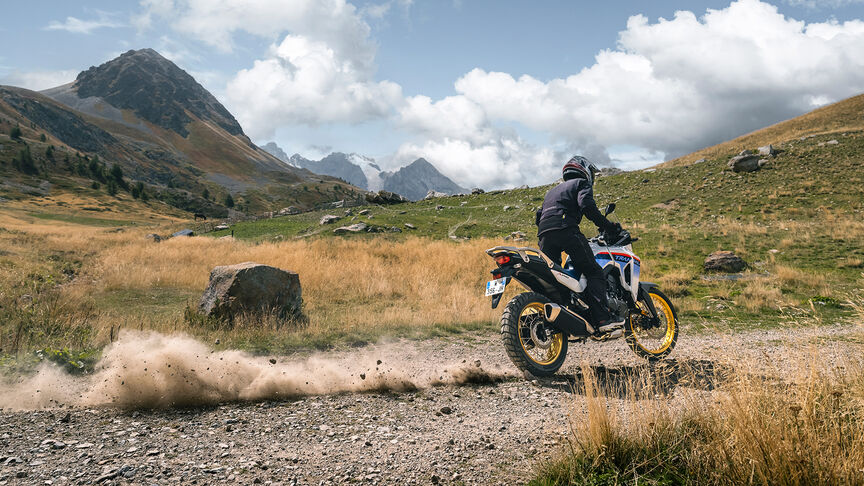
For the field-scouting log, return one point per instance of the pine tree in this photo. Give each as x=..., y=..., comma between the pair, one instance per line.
x=229, y=201
x=15, y=133
x=205, y=194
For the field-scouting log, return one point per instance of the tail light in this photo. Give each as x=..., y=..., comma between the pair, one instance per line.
x=502, y=259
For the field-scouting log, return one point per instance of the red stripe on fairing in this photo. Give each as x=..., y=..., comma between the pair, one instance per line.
x=620, y=254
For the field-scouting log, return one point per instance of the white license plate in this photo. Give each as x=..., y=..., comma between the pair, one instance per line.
x=495, y=287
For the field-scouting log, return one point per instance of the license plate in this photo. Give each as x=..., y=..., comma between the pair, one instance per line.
x=495, y=287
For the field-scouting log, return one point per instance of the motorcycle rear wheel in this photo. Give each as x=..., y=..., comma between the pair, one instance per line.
x=656, y=343
x=542, y=358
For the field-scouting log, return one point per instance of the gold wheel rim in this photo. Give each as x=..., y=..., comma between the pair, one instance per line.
x=667, y=320
x=528, y=317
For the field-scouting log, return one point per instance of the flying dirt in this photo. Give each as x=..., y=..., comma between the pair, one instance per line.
x=152, y=370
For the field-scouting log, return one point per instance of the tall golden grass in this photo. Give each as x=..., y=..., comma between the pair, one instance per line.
x=802, y=427
x=360, y=286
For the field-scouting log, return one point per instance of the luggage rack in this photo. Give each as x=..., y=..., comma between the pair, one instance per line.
x=522, y=251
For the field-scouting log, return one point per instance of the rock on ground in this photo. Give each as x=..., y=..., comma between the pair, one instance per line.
x=724, y=261
x=184, y=232
x=354, y=228
x=385, y=197
x=329, y=218
x=251, y=288
x=744, y=163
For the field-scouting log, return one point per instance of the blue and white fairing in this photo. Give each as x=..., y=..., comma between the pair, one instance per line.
x=622, y=259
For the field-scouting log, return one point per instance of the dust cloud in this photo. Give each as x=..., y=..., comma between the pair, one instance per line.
x=151, y=370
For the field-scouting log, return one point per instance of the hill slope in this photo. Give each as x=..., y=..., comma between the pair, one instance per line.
x=163, y=129
x=843, y=116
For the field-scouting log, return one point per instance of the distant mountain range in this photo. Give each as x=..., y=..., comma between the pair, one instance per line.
x=413, y=181
x=145, y=114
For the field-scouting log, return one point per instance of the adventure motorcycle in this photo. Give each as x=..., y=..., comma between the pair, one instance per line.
x=537, y=325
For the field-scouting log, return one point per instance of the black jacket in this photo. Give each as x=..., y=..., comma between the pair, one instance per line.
x=566, y=203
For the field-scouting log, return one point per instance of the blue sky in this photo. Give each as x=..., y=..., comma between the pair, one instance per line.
x=494, y=93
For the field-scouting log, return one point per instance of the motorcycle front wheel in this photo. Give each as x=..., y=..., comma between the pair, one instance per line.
x=656, y=340
x=528, y=343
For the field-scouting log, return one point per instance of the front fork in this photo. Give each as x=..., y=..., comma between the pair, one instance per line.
x=645, y=296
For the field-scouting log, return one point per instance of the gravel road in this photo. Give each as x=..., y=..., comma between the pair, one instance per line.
x=493, y=427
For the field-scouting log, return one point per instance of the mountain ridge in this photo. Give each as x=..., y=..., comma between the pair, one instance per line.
x=413, y=181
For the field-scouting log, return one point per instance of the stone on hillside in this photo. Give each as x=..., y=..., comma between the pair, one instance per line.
x=745, y=152
x=394, y=229
x=221, y=227
x=763, y=162
x=507, y=208
x=184, y=232
x=288, y=210
x=477, y=190
x=744, y=163
x=439, y=207
x=354, y=228
x=767, y=150
x=433, y=194
x=153, y=236
x=410, y=226
x=385, y=197
x=251, y=289
x=363, y=212
x=699, y=161
x=328, y=219
x=724, y=261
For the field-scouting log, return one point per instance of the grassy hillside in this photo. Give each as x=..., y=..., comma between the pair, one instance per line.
x=839, y=118
x=797, y=222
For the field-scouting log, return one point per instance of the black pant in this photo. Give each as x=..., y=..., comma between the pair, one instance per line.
x=552, y=243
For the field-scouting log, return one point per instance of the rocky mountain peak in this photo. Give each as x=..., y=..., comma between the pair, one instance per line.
x=156, y=90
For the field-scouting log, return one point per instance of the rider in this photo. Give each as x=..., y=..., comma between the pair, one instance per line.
x=558, y=229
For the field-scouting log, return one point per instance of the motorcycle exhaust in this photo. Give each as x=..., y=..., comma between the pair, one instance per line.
x=566, y=321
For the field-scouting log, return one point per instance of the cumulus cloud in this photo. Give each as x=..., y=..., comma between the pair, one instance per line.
x=677, y=85
x=821, y=4
x=79, y=26
x=307, y=82
x=39, y=80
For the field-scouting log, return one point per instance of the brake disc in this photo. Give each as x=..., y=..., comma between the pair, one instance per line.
x=538, y=327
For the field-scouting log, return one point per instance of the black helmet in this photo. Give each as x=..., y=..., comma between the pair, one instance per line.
x=579, y=166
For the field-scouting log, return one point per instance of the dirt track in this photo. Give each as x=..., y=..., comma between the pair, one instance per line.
x=462, y=432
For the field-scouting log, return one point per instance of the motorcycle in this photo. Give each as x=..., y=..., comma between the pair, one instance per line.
x=537, y=325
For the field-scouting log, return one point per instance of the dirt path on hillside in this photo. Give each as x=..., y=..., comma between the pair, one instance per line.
x=476, y=422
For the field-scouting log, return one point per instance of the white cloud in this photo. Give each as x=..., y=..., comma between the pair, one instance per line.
x=79, y=26
x=677, y=85
x=820, y=4
x=39, y=80
x=307, y=82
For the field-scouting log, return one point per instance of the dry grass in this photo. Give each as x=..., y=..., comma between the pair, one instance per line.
x=365, y=288
x=806, y=428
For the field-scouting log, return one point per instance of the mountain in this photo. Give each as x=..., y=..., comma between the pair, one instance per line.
x=143, y=113
x=337, y=165
x=416, y=179
x=274, y=150
x=413, y=181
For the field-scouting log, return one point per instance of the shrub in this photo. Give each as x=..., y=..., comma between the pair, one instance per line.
x=15, y=133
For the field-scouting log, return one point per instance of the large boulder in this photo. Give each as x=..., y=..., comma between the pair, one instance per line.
x=251, y=289
x=385, y=197
x=328, y=219
x=433, y=194
x=744, y=163
x=724, y=261
x=477, y=190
